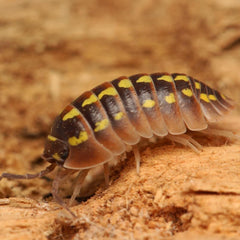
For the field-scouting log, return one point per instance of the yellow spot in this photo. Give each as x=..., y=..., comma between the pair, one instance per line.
x=144, y=79
x=166, y=78
x=197, y=85
x=204, y=97
x=125, y=83
x=187, y=92
x=212, y=97
x=92, y=99
x=118, y=116
x=56, y=156
x=170, y=98
x=101, y=125
x=73, y=141
x=149, y=103
x=51, y=138
x=223, y=96
x=111, y=91
x=71, y=114
x=181, y=77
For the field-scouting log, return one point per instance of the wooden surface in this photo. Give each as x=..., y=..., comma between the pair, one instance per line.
x=50, y=53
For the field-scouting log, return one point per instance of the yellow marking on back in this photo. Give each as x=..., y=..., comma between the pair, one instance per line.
x=197, y=85
x=56, y=156
x=92, y=99
x=111, y=91
x=187, y=91
x=144, y=79
x=181, y=77
x=71, y=114
x=118, y=116
x=223, y=96
x=125, y=83
x=170, y=98
x=166, y=78
x=51, y=138
x=74, y=141
x=212, y=97
x=204, y=97
x=149, y=103
x=101, y=125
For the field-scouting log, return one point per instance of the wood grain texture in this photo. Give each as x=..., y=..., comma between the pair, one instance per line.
x=52, y=52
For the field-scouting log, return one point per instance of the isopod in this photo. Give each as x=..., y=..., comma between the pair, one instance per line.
x=101, y=123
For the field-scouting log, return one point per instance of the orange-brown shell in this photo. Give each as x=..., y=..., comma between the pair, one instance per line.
x=100, y=123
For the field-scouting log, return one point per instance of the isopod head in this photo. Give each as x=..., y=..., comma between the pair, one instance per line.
x=56, y=150
x=72, y=144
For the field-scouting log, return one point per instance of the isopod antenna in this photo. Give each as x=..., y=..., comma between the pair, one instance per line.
x=42, y=173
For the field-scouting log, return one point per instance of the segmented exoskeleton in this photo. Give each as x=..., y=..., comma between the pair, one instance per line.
x=98, y=125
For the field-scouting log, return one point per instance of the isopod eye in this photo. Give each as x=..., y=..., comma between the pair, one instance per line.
x=56, y=150
x=64, y=154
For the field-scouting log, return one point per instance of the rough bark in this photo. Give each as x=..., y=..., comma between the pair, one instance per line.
x=53, y=51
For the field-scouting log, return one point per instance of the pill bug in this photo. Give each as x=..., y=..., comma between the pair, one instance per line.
x=102, y=122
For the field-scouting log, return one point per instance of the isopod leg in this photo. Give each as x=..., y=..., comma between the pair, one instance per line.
x=186, y=141
x=61, y=176
x=78, y=184
x=137, y=157
x=223, y=133
x=106, y=173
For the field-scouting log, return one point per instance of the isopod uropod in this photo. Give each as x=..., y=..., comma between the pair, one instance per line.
x=98, y=125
